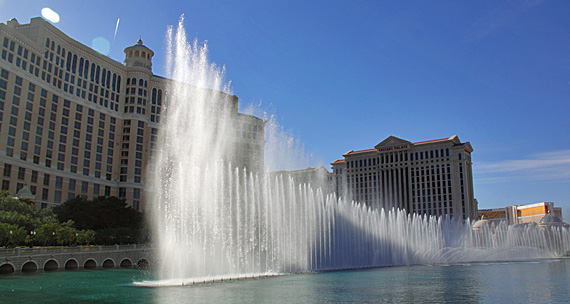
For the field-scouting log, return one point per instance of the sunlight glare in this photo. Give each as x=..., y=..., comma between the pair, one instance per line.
x=101, y=45
x=50, y=15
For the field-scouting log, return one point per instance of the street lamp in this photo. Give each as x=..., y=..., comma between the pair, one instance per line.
x=32, y=234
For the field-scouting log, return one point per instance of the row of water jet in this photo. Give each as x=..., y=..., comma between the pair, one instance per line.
x=259, y=225
x=213, y=221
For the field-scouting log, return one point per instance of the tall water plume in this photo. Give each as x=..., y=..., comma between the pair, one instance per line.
x=214, y=220
x=194, y=139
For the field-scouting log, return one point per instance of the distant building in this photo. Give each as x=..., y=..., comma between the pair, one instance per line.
x=521, y=214
x=318, y=177
x=431, y=177
x=75, y=122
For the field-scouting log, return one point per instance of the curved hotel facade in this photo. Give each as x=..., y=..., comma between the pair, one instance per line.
x=431, y=177
x=75, y=122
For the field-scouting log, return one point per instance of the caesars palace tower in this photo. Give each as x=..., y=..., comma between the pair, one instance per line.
x=74, y=122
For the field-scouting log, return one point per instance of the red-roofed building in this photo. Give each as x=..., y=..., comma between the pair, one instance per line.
x=431, y=177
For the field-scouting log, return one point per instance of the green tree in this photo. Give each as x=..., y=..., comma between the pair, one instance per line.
x=45, y=234
x=65, y=234
x=17, y=212
x=23, y=206
x=110, y=217
x=6, y=231
x=18, y=236
x=79, y=210
x=11, y=235
x=85, y=237
x=46, y=216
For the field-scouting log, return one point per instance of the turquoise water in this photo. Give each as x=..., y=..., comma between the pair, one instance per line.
x=544, y=281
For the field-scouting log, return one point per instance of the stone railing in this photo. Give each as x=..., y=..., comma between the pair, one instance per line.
x=76, y=249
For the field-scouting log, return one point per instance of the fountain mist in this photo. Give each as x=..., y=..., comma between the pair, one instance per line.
x=215, y=221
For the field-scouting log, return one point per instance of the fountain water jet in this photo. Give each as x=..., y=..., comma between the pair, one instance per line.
x=214, y=221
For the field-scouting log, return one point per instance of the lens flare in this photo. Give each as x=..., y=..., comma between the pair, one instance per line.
x=50, y=15
x=101, y=45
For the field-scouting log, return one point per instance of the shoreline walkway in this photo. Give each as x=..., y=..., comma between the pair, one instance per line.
x=29, y=260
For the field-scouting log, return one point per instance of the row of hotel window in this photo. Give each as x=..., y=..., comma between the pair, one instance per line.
x=63, y=138
x=80, y=67
x=123, y=171
x=58, y=186
x=83, y=71
x=24, y=133
x=87, y=154
x=110, y=82
x=133, y=98
x=417, y=175
x=47, y=178
x=397, y=157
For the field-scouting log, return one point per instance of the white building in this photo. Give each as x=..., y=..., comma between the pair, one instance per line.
x=431, y=177
x=76, y=122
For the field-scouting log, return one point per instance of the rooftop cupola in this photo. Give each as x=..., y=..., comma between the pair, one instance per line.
x=138, y=55
x=550, y=220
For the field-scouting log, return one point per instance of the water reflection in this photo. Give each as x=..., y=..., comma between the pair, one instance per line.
x=538, y=282
x=543, y=281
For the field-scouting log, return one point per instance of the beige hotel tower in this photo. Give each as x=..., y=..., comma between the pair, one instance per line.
x=431, y=177
x=74, y=122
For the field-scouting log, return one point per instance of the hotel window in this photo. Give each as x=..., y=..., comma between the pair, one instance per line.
x=5, y=185
x=21, y=173
x=122, y=192
x=46, y=179
x=7, y=170
x=58, y=182
x=71, y=185
x=86, y=69
x=10, y=143
x=57, y=197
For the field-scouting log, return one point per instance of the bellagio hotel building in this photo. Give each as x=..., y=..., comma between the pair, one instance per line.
x=432, y=177
x=74, y=122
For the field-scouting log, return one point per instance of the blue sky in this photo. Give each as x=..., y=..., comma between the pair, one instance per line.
x=343, y=75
